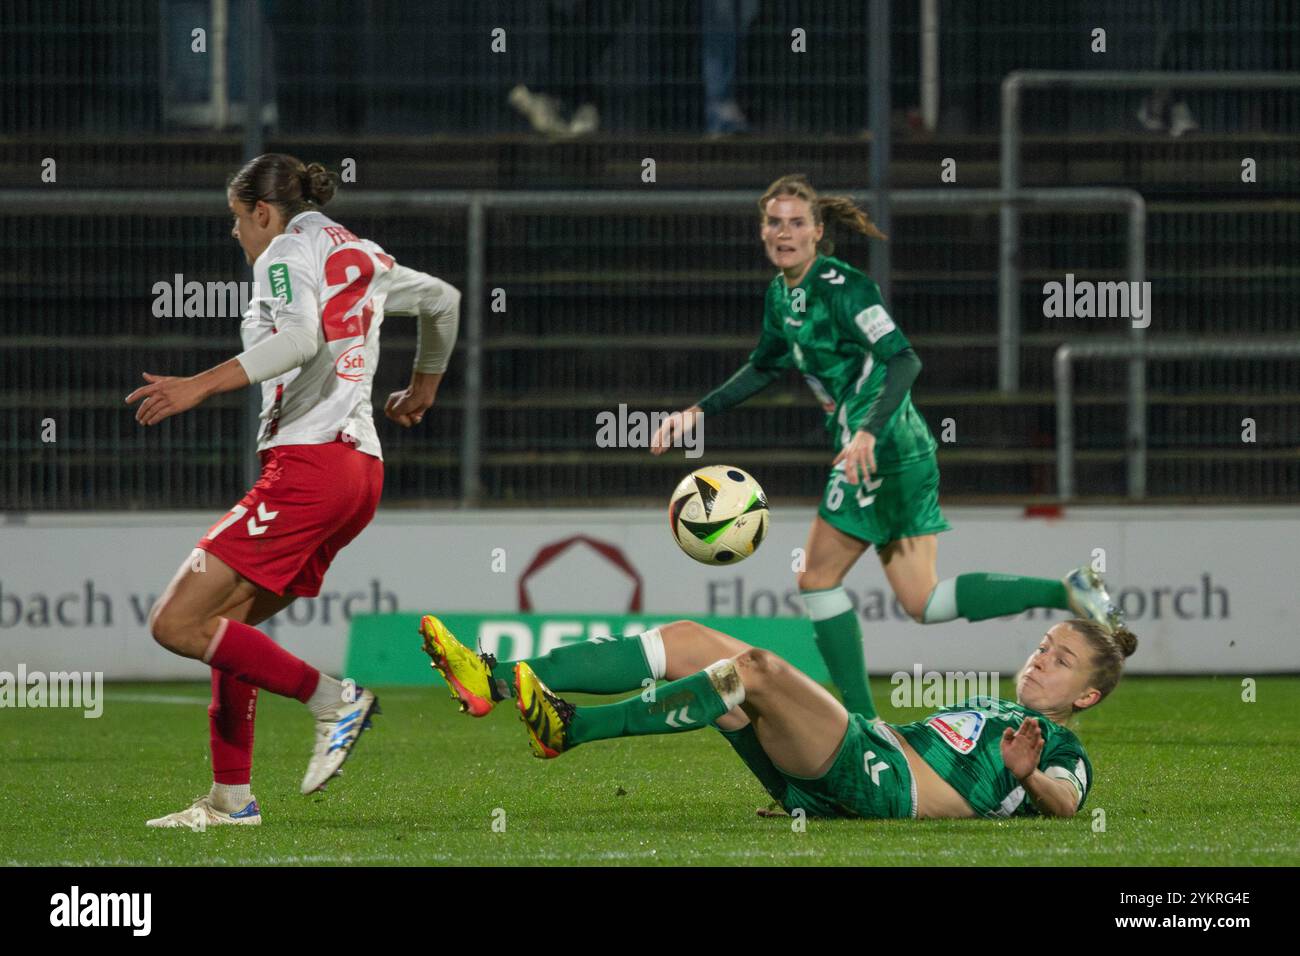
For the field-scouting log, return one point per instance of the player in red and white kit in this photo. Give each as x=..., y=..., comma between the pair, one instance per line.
x=311, y=339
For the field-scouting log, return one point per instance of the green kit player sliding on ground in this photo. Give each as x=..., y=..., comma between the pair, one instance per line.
x=826, y=319
x=985, y=756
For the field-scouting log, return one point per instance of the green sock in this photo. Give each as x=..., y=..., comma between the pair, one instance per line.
x=745, y=742
x=687, y=704
x=981, y=596
x=839, y=638
x=588, y=667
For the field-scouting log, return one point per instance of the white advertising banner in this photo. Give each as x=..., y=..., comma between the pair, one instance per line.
x=1206, y=590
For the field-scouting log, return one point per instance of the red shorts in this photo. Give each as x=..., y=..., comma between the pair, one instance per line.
x=310, y=501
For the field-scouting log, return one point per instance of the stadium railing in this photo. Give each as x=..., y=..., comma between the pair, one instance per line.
x=478, y=205
x=1135, y=454
x=1013, y=87
x=421, y=69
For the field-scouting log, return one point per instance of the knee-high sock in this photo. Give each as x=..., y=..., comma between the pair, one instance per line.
x=839, y=638
x=686, y=704
x=745, y=742
x=595, y=667
x=979, y=596
x=246, y=653
x=230, y=726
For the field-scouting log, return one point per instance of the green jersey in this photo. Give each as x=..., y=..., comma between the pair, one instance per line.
x=834, y=329
x=964, y=746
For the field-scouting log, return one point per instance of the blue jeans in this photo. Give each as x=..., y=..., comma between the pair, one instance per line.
x=723, y=23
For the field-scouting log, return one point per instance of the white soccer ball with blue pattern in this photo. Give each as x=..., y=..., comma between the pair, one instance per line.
x=718, y=514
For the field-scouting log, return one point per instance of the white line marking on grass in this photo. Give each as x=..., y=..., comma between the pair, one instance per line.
x=241, y=861
x=578, y=858
x=155, y=699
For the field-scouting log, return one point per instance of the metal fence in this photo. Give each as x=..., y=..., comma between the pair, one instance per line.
x=1013, y=89
x=1242, y=428
x=606, y=299
x=381, y=68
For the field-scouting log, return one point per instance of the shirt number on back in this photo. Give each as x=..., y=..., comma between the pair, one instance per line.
x=335, y=320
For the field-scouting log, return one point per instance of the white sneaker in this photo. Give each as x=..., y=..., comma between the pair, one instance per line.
x=1149, y=116
x=336, y=737
x=1089, y=599
x=201, y=814
x=541, y=111
x=1181, y=120
x=585, y=120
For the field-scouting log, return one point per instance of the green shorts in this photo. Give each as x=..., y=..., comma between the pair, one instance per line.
x=902, y=504
x=869, y=778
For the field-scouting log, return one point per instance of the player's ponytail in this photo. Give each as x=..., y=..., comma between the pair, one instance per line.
x=284, y=182
x=835, y=210
x=1109, y=651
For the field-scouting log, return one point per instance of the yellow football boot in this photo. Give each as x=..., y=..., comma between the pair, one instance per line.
x=546, y=716
x=468, y=675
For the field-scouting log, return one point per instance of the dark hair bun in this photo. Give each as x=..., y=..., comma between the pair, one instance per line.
x=318, y=184
x=1126, y=641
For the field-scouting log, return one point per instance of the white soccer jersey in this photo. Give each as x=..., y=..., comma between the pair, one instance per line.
x=320, y=279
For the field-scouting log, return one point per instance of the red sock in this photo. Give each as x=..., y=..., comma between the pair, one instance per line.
x=230, y=722
x=248, y=654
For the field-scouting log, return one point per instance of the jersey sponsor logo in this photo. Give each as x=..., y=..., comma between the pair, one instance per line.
x=351, y=365
x=278, y=273
x=874, y=322
x=960, y=729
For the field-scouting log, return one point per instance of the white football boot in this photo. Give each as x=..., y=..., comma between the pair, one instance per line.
x=201, y=814
x=1089, y=599
x=336, y=737
x=541, y=111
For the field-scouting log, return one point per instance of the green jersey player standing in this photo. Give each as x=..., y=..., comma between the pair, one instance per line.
x=825, y=319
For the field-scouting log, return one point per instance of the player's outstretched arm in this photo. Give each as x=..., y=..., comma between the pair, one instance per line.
x=297, y=339
x=168, y=395
x=770, y=357
x=437, y=305
x=678, y=423
x=747, y=382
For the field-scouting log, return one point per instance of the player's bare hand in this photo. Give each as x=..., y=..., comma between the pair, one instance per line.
x=165, y=396
x=859, y=457
x=408, y=406
x=677, y=424
x=1022, y=748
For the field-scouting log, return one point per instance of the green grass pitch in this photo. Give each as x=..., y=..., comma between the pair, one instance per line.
x=1186, y=772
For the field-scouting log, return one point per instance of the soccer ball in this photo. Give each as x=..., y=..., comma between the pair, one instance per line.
x=718, y=515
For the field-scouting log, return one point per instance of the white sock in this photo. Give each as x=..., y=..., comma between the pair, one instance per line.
x=725, y=678
x=826, y=604
x=327, y=698
x=229, y=797
x=942, y=605
x=652, y=645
